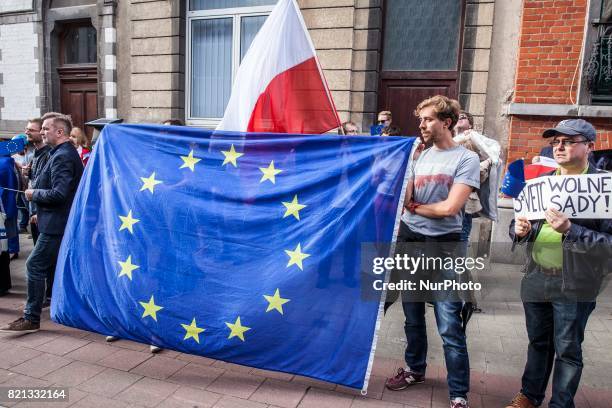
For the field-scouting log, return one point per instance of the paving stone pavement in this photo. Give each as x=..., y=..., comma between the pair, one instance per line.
x=125, y=374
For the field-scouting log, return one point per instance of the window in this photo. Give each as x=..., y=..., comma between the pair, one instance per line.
x=219, y=35
x=599, y=70
x=79, y=44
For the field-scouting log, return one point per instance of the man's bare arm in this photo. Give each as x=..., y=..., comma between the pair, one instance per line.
x=450, y=207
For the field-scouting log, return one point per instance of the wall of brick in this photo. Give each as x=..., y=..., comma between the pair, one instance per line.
x=526, y=135
x=11, y=6
x=549, y=51
x=19, y=80
x=551, y=39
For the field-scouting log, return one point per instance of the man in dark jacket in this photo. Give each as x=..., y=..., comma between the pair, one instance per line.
x=568, y=261
x=52, y=192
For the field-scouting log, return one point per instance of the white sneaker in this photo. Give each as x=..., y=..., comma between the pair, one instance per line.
x=154, y=349
x=111, y=338
x=459, y=403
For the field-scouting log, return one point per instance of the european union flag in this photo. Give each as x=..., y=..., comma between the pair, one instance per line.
x=245, y=248
x=13, y=146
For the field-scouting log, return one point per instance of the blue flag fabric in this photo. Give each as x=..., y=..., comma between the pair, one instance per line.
x=12, y=146
x=514, y=180
x=240, y=247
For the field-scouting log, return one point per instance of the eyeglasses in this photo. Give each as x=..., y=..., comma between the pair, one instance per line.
x=566, y=142
x=462, y=117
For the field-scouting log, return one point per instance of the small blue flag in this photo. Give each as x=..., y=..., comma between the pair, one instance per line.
x=242, y=247
x=514, y=180
x=376, y=130
x=12, y=146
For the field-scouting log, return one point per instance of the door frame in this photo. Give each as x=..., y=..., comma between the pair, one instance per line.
x=431, y=78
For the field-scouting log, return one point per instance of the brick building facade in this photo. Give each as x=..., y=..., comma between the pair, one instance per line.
x=145, y=66
x=559, y=42
x=517, y=65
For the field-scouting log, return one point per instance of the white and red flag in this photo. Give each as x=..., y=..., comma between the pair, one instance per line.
x=280, y=86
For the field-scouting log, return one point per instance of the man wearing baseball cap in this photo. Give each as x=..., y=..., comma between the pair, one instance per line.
x=567, y=261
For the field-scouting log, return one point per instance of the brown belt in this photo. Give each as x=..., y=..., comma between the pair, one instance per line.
x=551, y=271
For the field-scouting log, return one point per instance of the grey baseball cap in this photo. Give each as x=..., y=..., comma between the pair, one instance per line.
x=573, y=127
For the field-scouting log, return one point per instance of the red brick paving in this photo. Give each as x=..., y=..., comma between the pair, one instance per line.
x=125, y=374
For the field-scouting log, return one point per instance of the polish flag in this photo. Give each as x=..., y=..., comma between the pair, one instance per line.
x=280, y=86
x=543, y=166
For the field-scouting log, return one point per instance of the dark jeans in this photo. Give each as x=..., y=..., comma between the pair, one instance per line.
x=449, y=319
x=40, y=264
x=22, y=205
x=556, y=331
x=35, y=234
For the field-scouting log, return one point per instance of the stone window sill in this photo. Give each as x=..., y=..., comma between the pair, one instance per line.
x=576, y=111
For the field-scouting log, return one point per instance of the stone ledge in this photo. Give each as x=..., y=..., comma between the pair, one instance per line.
x=577, y=111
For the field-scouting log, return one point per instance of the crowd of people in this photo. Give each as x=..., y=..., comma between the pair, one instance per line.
x=452, y=178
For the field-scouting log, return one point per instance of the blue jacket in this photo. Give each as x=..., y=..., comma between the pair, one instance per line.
x=55, y=187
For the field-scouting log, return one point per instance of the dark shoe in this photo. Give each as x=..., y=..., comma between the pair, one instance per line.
x=46, y=304
x=521, y=401
x=476, y=309
x=21, y=325
x=403, y=379
x=23, y=230
x=459, y=403
x=15, y=256
x=4, y=292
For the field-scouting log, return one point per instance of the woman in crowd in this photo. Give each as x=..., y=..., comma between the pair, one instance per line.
x=81, y=142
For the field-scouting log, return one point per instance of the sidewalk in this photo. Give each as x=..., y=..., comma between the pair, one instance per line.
x=125, y=374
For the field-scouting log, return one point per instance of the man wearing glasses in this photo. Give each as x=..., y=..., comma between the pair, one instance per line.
x=567, y=260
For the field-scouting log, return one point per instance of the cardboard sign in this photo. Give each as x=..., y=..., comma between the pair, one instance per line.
x=583, y=196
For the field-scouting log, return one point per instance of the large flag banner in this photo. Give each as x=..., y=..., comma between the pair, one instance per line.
x=279, y=86
x=245, y=248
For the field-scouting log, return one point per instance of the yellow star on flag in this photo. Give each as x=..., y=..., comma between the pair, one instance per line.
x=231, y=156
x=269, y=173
x=189, y=161
x=192, y=331
x=149, y=183
x=127, y=267
x=275, y=302
x=293, y=208
x=150, y=308
x=127, y=222
x=237, y=329
x=296, y=256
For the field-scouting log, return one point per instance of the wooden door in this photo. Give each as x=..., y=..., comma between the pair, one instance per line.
x=421, y=56
x=78, y=74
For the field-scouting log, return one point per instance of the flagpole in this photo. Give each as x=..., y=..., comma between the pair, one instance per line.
x=10, y=189
x=381, y=306
x=314, y=51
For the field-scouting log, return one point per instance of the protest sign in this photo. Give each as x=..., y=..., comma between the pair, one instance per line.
x=583, y=196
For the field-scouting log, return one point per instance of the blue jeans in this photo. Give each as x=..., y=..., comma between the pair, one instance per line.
x=40, y=264
x=450, y=327
x=466, y=229
x=556, y=331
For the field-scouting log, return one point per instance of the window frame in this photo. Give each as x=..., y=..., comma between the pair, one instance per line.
x=591, y=34
x=236, y=14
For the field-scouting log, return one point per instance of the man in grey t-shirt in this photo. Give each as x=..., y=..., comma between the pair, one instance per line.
x=440, y=182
